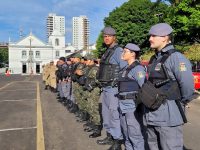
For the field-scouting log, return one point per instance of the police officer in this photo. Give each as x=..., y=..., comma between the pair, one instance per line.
x=53, y=69
x=47, y=76
x=62, y=76
x=130, y=81
x=110, y=65
x=165, y=123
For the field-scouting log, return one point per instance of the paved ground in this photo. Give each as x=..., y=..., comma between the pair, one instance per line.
x=19, y=123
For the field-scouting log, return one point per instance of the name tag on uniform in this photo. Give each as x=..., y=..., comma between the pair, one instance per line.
x=182, y=67
x=158, y=67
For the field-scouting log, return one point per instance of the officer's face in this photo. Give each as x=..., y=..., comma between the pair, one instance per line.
x=90, y=62
x=158, y=42
x=109, y=39
x=127, y=54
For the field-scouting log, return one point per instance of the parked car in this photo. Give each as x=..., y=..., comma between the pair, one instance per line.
x=196, y=73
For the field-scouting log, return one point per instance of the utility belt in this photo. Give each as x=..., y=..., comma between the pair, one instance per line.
x=106, y=84
x=127, y=96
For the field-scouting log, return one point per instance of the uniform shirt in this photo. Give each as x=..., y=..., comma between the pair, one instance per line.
x=116, y=57
x=178, y=68
x=137, y=73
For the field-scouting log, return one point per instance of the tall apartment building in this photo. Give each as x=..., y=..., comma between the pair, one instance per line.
x=81, y=32
x=55, y=22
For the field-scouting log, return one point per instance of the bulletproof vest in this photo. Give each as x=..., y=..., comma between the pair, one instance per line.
x=65, y=71
x=108, y=72
x=59, y=73
x=126, y=84
x=69, y=70
x=159, y=76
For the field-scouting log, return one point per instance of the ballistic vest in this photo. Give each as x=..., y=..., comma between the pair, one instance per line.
x=126, y=84
x=108, y=73
x=160, y=78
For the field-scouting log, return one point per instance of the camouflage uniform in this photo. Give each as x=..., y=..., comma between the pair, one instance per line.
x=93, y=96
x=47, y=74
x=52, y=77
x=77, y=89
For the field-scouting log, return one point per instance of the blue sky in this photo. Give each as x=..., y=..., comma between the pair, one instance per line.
x=31, y=15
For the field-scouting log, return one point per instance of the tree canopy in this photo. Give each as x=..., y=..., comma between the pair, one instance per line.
x=193, y=53
x=4, y=55
x=134, y=18
x=185, y=19
x=132, y=21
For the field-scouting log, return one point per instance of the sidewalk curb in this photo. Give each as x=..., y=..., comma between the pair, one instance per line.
x=196, y=98
x=197, y=94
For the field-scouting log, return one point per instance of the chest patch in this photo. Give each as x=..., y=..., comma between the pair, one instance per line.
x=158, y=67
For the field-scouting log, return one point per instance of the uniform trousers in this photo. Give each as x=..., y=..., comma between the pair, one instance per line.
x=165, y=138
x=110, y=113
x=131, y=127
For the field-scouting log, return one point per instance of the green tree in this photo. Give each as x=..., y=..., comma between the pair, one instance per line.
x=100, y=48
x=193, y=53
x=133, y=19
x=185, y=19
x=3, y=54
x=172, y=2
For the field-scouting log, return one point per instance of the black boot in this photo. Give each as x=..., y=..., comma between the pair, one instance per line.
x=84, y=117
x=61, y=99
x=69, y=105
x=54, y=90
x=64, y=100
x=116, y=145
x=89, y=129
x=46, y=87
x=90, y=126
x=106, y=141
x=96, y=132
x=74, y=108
x=88, y=123
x=78, y=114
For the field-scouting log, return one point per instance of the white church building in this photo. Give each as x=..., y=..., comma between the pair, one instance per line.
x=29, y=54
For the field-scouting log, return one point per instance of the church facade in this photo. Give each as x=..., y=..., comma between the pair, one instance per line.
x=28, y=55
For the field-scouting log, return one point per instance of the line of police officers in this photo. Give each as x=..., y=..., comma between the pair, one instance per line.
x=142, y=109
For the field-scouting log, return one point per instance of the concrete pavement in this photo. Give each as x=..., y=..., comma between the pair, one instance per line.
x=18, y=117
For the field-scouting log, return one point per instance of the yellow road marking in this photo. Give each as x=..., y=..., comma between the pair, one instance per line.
x=40, y=133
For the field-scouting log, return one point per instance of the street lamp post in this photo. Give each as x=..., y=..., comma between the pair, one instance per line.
x=30, y=60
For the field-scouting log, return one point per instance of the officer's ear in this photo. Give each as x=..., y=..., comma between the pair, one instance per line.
x=114, y=37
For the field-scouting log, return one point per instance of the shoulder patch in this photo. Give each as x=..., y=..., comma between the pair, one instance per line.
x=140, y=74
x=182, y=67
